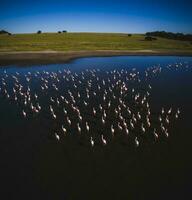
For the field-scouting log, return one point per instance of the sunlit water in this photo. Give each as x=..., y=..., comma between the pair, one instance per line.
x=32, y=140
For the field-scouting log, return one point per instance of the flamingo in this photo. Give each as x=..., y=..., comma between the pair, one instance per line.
x=142, y=128
x=104, y=142
x=94, y=111
x=79, y=128
x=69, y=121
x=169, y=111
x=24, y=114
x=178, y=111
x=127, y=131
x=136, y=142
x=166, y=133
x=112, y=130
x=92, y=141
x=167, y=119
x=54, y=115
x=57, y=136
x=87, y=126
x=155, y=134
x=64, y=129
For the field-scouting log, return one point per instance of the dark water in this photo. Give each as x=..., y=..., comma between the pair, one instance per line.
x=35, y=166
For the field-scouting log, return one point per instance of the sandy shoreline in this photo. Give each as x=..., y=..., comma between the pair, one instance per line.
x=51, y=57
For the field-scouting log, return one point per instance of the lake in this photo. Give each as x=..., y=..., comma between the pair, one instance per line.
x=97, y=128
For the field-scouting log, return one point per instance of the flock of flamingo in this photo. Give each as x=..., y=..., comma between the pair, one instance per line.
x=95, y=105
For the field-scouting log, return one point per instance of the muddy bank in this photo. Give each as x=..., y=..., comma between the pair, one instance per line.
x=53, y=57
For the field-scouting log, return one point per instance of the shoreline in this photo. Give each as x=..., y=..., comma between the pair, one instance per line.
x=54, y=57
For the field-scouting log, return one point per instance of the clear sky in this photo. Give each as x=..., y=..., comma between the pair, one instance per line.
x=134, y=16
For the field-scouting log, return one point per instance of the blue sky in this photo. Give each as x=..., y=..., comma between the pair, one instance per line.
x=136, y=16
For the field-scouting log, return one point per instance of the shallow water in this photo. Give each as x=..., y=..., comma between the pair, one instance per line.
x=33, y=159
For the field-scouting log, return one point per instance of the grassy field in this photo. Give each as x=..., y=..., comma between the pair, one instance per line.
x=87, y=41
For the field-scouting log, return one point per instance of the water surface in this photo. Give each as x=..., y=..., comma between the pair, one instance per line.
x=33, y=159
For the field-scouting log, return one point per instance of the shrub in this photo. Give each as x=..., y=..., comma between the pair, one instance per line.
x=39, y=32
x=149, y=38
x=4, y=32
x=169, y=35
x=129, y=35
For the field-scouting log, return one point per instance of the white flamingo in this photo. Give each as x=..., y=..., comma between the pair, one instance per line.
x=104, y=142
x=57, y=136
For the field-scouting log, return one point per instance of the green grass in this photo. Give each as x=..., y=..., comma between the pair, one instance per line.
x=87, y=41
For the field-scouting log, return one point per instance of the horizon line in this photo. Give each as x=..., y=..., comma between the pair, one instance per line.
x=136, y=33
